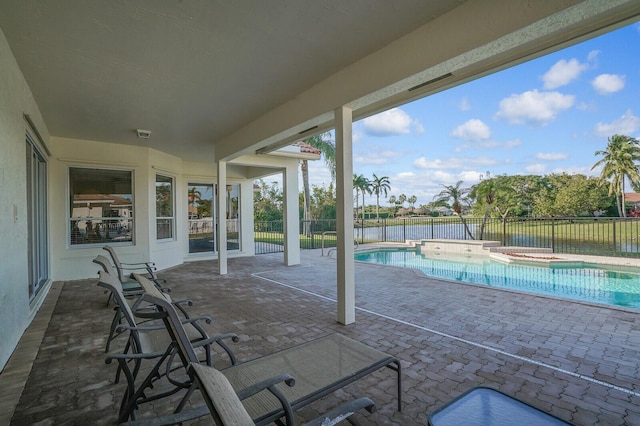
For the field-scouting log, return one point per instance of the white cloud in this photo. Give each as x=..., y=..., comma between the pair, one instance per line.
x=625, y=125
x=478, y=146
x=537, y=169
x=488, y=145
x=605, y=84
x=373, y=159
x=562, y=73
x=440, y=177
x=469, y=177
x=472, y=130
x=551, y=156
x=512, y=143
x=593, y=55
x=376, y=157
x=392, y=122
x=534, y=107
x=402, y=175
x=587, y=106
x=464, y=105
x=426, y=184
x=454, y=162
x=574, y=170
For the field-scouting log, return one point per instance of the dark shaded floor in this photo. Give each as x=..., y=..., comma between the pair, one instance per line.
x=576, y=361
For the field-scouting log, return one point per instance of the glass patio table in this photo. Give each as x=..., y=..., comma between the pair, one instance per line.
x=489, y=407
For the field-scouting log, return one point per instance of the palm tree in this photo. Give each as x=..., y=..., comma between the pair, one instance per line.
x=401, y=199
x=618, y=162
x=362, y=185
x=412, y=200
x=326, y=146
x=357, y=181
x=392, y=200
x=486, y=192
x=379, y=185
x=454, y=197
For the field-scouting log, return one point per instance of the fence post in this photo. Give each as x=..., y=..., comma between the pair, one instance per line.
x=404, y=230
x=615, y=248
x=384, y=229
x=313, y=237
x=553, y=235
x=432, y=228
x=504, y=231
x=464, y=228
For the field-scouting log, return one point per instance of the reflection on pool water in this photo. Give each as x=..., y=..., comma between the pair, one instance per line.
x=588, y=283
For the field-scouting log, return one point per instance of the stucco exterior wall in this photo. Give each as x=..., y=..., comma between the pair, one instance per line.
x=16, y=311
x=69, y=262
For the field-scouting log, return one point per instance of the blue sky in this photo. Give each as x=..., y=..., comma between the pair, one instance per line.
x=548, y=115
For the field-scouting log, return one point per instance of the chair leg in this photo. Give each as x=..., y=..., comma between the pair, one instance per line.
x=185, y=399
x=132, y=397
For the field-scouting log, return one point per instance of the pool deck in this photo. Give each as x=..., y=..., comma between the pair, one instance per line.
x=577, y=361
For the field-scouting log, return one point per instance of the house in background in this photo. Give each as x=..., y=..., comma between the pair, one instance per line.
x=111, y=113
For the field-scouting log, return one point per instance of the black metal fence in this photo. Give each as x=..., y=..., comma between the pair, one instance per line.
x=597, y=236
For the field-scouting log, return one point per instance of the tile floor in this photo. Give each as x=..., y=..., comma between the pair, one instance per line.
x=576, y=361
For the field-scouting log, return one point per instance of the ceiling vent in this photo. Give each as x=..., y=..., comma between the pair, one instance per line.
x=143, y=134
x=308, y=130
x=426, y=83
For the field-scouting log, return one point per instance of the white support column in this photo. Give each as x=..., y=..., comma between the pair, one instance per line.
x=222, y=217
x=344, y=216
x=291, y=213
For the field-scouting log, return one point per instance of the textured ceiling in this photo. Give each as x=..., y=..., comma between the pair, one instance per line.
x=190, y=71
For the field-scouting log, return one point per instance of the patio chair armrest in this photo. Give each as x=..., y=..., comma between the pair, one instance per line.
x=123, y=327
x=343, y=412
x=178, y=304
x=270, y=385
x=220, y=340
x=135, y=265
x=265, y=385
x=195, y=320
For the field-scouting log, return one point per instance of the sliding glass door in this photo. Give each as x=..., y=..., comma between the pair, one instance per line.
x=38, y=252
x=201, y=212
x=200, y=197
x=232, y=195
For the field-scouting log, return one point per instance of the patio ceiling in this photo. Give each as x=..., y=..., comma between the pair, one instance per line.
x=245, y=75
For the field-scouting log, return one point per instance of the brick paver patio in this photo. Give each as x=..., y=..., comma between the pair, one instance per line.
x=574, y=360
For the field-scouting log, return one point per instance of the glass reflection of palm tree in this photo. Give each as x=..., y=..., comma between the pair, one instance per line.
x=194, y=197
x=229, y=189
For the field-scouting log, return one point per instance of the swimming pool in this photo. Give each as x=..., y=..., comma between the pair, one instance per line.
x=588, y=283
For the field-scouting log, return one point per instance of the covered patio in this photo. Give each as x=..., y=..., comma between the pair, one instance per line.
x=143, y=102
x=574, y=360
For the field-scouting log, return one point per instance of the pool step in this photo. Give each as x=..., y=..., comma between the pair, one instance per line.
x=516, y=249
x=457, y=246
x=479, y=247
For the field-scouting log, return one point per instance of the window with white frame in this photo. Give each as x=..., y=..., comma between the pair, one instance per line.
x=164, y=207
x=100, y=206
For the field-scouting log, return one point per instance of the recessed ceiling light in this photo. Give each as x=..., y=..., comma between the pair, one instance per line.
x=143, y=134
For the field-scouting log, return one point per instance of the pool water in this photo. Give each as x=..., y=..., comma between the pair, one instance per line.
x=588, y=283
